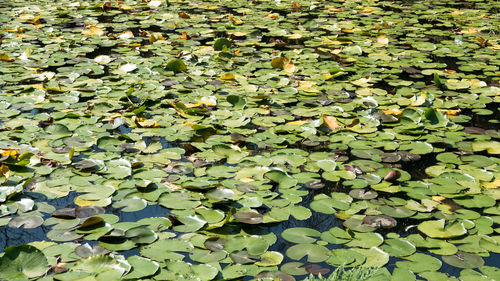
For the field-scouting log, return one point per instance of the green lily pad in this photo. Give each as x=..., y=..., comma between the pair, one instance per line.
x=417, y=147
x=22, y=262
x=176, y=65
x=242, y=257
x=375, y=257
x=270, y=258
x=141, y=267
x=300, y=235
x=491, y=147
x=314, y=252
x=329, y=205
x=293, y=268
x=205, y=272
x=464, y=260
x=141, y=235
x=99, y=264
x=398, y=247
x=419, y=262
x=396, y=212
x=220, y=43
x=437, y=229
x=346, y=257
x=206, y=256
x=133, y=204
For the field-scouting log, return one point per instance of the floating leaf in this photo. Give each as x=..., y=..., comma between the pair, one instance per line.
x=437, y=229
x=141, y=235
x=375, y=257
x=86, y=250
x=176, y=65
x=26, y=221
x=222, y=43
x=419, y=262
x=464, y=260
x=331, y=122
x=141, y=267
x=93, y=30
x=380, y=221
x=99, y=264
x=398, y=247
x=382, y=39
x=314, y=252
x=249, y=217
x=22, y=262
x=300, y=235
x=491, y=147
x=270, y=258
x=283, y=63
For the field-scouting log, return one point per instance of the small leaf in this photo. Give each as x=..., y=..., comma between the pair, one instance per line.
x=331, y=122
x=283, y=63
x=176, y=65
x=249, y=217
x=383, y=40
x=221, y=43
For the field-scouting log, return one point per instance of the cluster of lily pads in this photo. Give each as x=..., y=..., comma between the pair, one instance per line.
x=236, y=119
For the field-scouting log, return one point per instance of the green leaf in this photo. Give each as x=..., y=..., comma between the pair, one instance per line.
x=284, y=180
x=398, y=247
x=375, y=257
x=141, y=267
x=270, y=258
x=300, y=235
x=221, y=43
x=22, y=261
x=419, y=262
x=176, y=65
x=464, y=260
x=314, y=252
x=437, y=229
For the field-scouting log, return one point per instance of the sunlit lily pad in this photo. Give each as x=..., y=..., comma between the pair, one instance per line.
x=300, y=235
x=438, y=229
x=314, y=252
x=419, y=262
x=398, y=247
x=141, y=267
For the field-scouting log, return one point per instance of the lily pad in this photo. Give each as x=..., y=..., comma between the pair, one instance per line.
x=300, y=235
x=141, y=267
x=22, y=262
x=464, y=260
x=419, y=262
x=438, y=229
x=314, y=252
x=249, y=217
x=176, y=65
